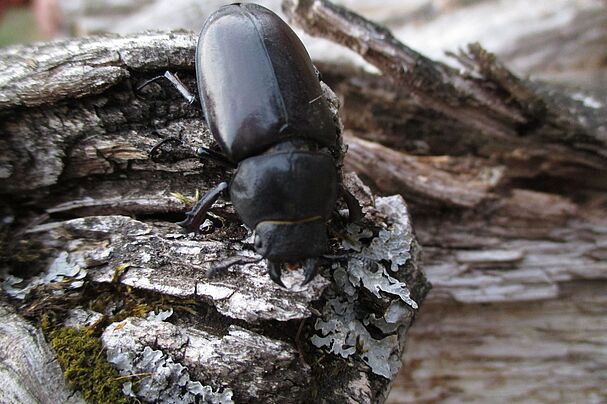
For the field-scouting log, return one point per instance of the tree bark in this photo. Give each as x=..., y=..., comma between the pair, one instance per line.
x=82, y=197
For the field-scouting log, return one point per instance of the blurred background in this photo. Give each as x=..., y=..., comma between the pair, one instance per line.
x=561, y=42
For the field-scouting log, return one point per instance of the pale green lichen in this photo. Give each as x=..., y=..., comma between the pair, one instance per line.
x=61, y=271
x=374, y=267
x=161, y=378
x=345, y=335
x=361, y=273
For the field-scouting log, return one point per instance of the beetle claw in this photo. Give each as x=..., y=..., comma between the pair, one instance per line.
x=275, y=272
x=195, y=217
x=310, y=270
x=187, y=223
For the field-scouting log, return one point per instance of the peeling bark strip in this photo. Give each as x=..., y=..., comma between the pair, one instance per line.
x=487, y=97
x=78, y=183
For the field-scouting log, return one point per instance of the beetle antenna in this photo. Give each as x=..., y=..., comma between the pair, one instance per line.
x=175, y=82
x=155, y=151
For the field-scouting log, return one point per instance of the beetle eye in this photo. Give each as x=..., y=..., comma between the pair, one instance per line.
x=258, y=242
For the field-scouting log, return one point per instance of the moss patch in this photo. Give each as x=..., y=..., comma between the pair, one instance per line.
x=80, y=352
x=82, y=359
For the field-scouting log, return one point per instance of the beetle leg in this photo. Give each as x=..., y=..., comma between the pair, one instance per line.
x=175, y=82
x=220, y=158
x=275, y=272
x=356, y=212
x=215, y=269
x=310, y=270
x=195, y=217
x=337, y=257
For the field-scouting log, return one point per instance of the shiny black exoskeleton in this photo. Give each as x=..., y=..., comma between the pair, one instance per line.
x=264, y=105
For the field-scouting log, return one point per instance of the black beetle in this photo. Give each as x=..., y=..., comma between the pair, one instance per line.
x=264, y=105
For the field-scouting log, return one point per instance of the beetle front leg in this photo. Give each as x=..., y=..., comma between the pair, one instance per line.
x=196, y=216
x=175, y=82
x=275, y=271
x=310, y=270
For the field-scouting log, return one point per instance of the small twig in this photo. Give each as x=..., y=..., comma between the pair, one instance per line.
x=134, y=375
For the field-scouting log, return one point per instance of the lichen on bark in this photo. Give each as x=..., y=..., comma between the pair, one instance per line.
x=349, y=324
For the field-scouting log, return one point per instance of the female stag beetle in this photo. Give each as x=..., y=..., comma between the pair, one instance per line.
x=265, y=107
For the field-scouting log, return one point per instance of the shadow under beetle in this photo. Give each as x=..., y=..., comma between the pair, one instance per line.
x=264, y=106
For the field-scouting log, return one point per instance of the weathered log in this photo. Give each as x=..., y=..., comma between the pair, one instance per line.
x=549, y=351
x=80, y=191
x=510, y=210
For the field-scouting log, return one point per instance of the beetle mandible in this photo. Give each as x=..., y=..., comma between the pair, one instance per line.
x=264, y=105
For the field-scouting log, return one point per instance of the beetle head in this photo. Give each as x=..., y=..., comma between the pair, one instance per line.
x=282, y=241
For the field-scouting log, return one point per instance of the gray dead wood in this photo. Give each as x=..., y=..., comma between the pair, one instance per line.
x=78, y=183
x=507, y=183
x=27, y=365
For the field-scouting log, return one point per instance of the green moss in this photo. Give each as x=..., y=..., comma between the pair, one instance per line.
x=118, y=272
x=186, y=200
x=82, y=359
x=80, y=353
